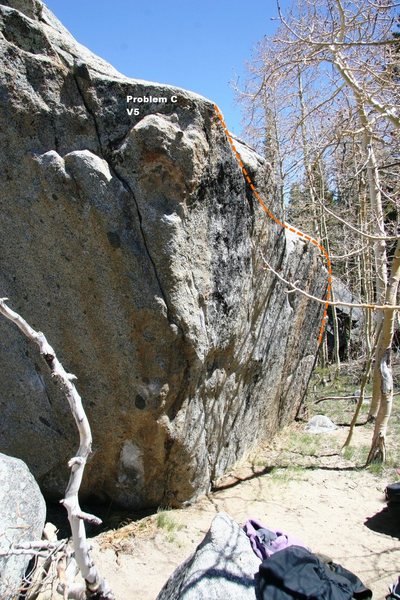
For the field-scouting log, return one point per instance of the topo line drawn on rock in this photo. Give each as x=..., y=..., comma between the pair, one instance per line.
x=287, y=226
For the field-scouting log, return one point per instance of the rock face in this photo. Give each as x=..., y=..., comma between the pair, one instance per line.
x=223, y=566
x=350, y=322
x=133, y=241
x=22, y=516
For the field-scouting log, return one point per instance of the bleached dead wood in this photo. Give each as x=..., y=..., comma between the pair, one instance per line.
x=95, y=586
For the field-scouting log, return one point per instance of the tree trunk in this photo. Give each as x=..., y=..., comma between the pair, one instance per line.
x=364, y=380
x=383, y=364
x=375, y=198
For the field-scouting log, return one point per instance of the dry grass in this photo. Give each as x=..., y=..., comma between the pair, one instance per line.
x=122, y=539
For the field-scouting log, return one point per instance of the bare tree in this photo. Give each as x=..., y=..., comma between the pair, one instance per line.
x=332, y=68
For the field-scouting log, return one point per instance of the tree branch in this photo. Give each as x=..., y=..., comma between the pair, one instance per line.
x=362, y=233
x=345, y=71
x=96, y=587
x=294, y=288
x=352, y=253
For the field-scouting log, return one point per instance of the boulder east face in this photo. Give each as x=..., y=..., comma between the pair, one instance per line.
x=22, y=516
x=133, y=241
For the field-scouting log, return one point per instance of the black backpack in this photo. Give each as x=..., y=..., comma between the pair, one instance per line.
x=392, y=494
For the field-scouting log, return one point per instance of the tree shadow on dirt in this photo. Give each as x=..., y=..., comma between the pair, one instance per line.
x=386, y=521
x=234, y=480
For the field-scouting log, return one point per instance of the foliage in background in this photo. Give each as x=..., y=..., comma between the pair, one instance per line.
x=322, y=101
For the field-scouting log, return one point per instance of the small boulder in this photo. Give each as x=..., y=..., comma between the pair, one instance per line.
x=223, y=566
x=320, y=424
x=22, y=517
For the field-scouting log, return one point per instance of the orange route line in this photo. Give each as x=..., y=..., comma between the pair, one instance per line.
x=270, y=214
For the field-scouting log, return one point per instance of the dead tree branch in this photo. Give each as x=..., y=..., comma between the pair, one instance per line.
x=95, y=586
x=294, y=288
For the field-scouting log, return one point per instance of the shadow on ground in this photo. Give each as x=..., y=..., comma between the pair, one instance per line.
x=235, y=480
x=386, y=521
x=111, y=515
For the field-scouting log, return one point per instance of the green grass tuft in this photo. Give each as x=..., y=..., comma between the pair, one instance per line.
x=165, y=521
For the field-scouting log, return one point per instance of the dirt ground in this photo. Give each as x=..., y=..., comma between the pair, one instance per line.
x=331, y=505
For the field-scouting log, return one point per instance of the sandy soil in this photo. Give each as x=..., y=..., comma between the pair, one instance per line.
x=332, y=507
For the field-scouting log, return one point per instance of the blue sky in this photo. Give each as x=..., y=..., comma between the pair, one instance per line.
x=201, y=46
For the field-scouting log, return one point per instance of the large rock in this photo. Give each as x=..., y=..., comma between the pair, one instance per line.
x=22, y=516
x=223, y=566
x=350, y=323
x=133, y=242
